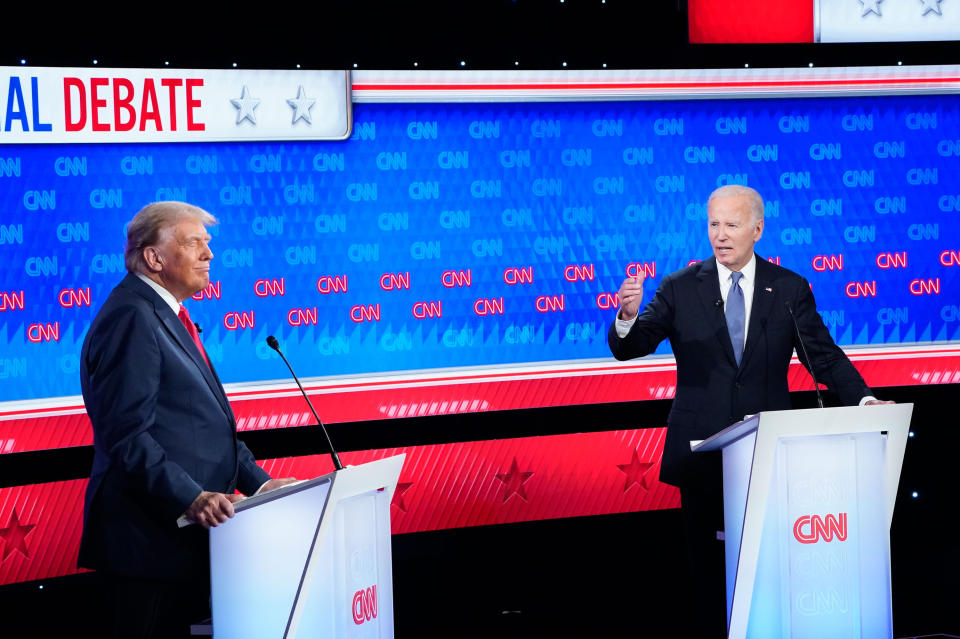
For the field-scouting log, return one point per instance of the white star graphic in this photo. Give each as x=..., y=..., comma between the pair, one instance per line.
x=301, y=106
x=245, y=106
x=932, y=5
x=870, y=6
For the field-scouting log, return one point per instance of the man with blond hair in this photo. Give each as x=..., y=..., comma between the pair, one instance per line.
x=165, y=440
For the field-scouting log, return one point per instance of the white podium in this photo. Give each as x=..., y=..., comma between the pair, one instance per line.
x=309, y=560
x=808, y=501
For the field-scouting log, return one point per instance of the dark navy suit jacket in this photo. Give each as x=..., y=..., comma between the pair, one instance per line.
x=712, y=391
x=163, y=432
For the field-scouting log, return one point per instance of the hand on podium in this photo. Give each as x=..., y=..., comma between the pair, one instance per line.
x=211, y=509
x=878, y=402
x=273, y=484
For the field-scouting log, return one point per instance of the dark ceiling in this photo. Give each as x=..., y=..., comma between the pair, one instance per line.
x=483, y=34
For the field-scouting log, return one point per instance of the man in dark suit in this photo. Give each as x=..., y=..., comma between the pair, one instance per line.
x=165, y=441
x=729, y=323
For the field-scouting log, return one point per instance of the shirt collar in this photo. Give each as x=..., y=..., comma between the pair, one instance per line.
x=749, y=270
x=164, y=294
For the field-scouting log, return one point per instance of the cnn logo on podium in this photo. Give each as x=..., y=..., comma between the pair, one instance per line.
x=365, y=605
x=809, y=529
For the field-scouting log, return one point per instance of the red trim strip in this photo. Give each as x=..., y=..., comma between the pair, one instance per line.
x=560, y=86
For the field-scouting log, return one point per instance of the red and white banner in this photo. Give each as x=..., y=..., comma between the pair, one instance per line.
x=755, y=21
x=73, y=105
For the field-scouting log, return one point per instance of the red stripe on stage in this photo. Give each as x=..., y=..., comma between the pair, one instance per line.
x=338, y=403
x=441, y=486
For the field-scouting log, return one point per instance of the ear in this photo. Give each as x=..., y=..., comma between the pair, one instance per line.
x=758, y=231
x=153, y=259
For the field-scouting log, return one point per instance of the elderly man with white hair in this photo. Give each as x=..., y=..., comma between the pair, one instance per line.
x=165, y=437
x=730, y=322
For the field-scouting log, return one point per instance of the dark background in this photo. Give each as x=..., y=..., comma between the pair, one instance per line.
x=594, y=576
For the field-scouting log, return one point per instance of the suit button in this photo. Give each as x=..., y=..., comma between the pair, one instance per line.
x=736, y=386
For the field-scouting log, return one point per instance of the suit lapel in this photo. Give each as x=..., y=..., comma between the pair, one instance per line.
x=708, y=290
x=763, y=297
x=180, y=334
x=178, y=331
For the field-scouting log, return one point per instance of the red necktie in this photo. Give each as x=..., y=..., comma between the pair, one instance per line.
x=192, y=329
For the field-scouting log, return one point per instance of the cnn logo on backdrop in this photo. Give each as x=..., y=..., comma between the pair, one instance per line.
x=364, y=605
x=809, y=529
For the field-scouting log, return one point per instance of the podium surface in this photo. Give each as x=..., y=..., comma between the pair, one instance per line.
x=308, y=560
x=808, y=503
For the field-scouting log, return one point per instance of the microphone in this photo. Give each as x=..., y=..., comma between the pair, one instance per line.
x=719, y=302
x=816, y=385
x=272, y=343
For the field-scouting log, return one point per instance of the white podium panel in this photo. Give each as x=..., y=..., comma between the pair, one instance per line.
x=309, y=561
x=253, y=592
x=808, y=502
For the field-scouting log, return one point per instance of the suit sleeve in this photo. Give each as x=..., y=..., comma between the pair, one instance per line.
x=651, y=327
x=827, y=360
x=250, y=476
x=122, y=364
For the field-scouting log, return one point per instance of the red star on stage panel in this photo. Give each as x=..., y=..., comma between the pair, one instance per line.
x=14, y=536
x=636, y=472
x=513, y=482
x=402, y=487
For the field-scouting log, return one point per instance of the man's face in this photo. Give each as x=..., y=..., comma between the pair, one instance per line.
x=732, y=230
x=184, y=258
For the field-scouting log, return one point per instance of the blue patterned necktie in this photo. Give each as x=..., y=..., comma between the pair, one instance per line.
x=736, y=314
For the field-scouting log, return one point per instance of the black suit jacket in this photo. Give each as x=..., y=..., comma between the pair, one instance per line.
x=163, y=432
x=712, y=391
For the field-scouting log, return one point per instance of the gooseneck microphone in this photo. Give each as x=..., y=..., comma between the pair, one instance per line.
x=272, y=343
x=816, y=385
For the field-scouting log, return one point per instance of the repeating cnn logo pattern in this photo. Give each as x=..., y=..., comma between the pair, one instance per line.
x=809, y=529
x=475, y=236
x=364, y=606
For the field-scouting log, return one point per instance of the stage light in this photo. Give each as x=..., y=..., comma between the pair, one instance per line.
x=914, y=494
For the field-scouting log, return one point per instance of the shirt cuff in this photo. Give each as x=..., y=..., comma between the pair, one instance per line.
x=866, y=399
x=623, y=326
